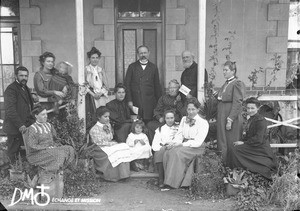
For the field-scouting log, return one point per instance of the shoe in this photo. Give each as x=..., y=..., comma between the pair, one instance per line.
x=133, y=166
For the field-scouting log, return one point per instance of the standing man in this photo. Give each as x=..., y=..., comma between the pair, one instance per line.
x=190, y=74
x=142, y=82
x=18, y=105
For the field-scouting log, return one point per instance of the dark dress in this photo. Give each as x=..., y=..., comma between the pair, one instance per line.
x=230, y=98
x=255, y=154
x=165, y=102
x=120, y=119
x=143, y=88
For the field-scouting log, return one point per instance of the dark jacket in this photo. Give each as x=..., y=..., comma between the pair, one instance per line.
x=119, y=112
x=18, y=104
x=189, y=78
x=143, y=87
x=256, y=131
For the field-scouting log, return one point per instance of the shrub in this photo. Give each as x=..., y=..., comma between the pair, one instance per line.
x=285, y=190
x=208, y=181
x=255, y=196
x=69, y=127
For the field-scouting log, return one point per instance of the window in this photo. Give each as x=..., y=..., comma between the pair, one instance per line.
x=139, y=9
x=9, y=42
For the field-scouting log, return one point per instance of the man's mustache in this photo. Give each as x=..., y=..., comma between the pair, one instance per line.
x=23, y=81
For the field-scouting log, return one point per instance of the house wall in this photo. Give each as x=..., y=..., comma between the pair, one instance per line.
x=261, y=28
x=51, y=26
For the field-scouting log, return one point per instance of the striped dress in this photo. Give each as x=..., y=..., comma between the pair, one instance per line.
x=43, y=151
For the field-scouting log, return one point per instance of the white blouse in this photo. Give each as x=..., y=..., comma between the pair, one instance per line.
x=164, y=135
x=194, y=135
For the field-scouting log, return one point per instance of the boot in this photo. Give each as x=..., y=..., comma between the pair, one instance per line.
x=161, y=176
x=133, y=166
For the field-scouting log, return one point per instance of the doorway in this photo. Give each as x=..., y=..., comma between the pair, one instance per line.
x=132, y=35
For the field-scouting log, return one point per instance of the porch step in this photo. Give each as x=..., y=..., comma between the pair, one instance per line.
x=142, y=175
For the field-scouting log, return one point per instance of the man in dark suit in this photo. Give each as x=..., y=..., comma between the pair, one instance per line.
x=18, y=105
x=189, y=76
x=142, y=82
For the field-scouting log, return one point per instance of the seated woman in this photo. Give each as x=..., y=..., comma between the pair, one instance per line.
x=111, y=159
x=253, y=152
x=120, y=114
x=163, y=137
x=184, y=147
x=40, y=146
x=171, y=100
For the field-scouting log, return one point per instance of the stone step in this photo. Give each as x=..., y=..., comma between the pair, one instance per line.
x=142, y=175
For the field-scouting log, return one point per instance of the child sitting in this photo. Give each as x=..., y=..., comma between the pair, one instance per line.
x=162, y=140
x=139, y=144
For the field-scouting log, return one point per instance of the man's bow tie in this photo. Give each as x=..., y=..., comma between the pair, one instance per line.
x=190, y=121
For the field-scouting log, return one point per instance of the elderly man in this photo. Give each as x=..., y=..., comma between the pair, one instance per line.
x=142, y=83
x=190, y=74
x=171, y=100
x=120, y=114
x=18, y=105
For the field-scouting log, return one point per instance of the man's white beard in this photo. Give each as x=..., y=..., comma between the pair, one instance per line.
x=187, y=65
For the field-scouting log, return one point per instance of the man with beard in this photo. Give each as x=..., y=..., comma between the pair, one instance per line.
x=142, y=83
x=18, y=104
x=190, y=74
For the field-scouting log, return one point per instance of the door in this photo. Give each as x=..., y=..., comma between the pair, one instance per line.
x=132, y=35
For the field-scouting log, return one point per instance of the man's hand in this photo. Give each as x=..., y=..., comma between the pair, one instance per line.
x=188, y=96
x=23, y=129
x=238, y=143
x=228, y=125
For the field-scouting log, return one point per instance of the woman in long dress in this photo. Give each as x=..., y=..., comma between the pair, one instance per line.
x=253, y=151
x=40, y=146
x=97, y=92
x=163, y=137
x=229, y=119
x=111, y=160
x=186, y=145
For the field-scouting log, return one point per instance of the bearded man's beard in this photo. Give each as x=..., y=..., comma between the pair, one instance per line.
x=187, y=64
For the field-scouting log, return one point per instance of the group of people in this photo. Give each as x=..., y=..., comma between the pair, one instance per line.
x=168, y=126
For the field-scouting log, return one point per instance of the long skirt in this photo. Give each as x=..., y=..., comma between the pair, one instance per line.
x=178, y=166
x=227, y=137
x=258, y=159
x=52, y=159
x=103, y=165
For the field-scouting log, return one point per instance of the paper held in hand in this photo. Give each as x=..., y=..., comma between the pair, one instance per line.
x=135, y=110
x=184, y=90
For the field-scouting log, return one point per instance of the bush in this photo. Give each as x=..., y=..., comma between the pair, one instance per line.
x=208, y=181
x=255, y=196
x=285, y=190
x=69, y=127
